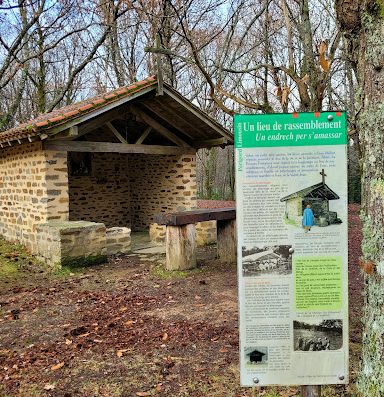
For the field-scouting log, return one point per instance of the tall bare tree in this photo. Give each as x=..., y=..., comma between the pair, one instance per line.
x=44, y=49
x=362, y=23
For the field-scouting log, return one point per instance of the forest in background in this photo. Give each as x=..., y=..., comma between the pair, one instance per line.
x=227, y=56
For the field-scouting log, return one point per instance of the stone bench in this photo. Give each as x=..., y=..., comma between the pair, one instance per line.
x=118, y=240
x=68, y=242
x=181, y=235
x=61, y=243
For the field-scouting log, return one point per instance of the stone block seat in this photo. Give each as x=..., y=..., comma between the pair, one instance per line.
x=62, y=243
x=118, y=240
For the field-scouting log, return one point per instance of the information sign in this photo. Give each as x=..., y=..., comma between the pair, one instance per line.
x=291, y=197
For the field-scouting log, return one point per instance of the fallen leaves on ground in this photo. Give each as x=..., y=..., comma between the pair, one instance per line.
x=138, y=333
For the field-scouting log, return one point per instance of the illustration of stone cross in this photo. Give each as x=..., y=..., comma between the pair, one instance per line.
x=323, y=175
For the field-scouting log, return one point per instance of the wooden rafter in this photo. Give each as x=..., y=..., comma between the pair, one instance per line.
x=197, y=112
x=175, y=117
x=159, y=127
x=69, y=133
x=115, y=132
x=100, y=111
x=143, y=135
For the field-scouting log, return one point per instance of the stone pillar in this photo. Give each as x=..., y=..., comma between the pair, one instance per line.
x=226, y=240
x=56, y=179
x=181, y=247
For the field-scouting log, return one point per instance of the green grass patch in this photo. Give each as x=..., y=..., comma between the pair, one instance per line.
x=13, y=258
x=66, y=271
x=160, y=271
x=289, y=222
x=8, y=269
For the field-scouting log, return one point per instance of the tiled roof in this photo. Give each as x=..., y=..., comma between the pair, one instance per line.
x=259, y=255
x=46, y=121
x=320, y=190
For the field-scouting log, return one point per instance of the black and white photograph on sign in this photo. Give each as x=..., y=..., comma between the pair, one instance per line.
x=317, y=335
x=310, y=206
x=256, y=355
x=275, y=259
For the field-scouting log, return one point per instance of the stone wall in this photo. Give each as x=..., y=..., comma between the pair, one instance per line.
x=104, y=195
x=127, y=190
x=160, y=183
x=294, y=209
x=122, y=190
x=33, y=190
x=206, y=233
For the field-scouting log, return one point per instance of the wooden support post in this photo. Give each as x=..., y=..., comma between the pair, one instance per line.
x=226, y=240
x=180, y=247
x=310, y=391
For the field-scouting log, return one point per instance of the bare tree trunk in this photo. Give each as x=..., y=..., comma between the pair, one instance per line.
x=363, y=26
x=41, y=73
x=113, y=45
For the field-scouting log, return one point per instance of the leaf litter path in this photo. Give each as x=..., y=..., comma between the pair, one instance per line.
x=125, y=329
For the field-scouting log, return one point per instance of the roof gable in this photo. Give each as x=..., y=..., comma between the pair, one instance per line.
x=320, y=190
x=76, y=111
x=188, y=119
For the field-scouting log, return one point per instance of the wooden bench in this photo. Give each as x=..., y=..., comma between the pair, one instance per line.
x=181, y=235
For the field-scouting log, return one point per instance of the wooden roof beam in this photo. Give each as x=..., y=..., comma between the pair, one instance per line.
x=159, y=128
x=115, y=132
x=108, y=147
x=210, y=143
x=180, y=119
x=113, y=107
x=142, y=137
x=69, y=133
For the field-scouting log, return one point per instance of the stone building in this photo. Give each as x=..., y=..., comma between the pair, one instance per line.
x=318, y=197
x=91, y=171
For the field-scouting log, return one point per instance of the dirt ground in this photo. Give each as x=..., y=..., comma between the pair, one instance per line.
x=127, y=328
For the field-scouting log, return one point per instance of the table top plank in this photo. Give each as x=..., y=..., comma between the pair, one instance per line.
x=194, y=216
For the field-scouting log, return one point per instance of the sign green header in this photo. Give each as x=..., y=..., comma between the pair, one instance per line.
x=290, y=129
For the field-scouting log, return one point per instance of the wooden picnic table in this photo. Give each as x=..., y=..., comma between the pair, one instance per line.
x=181, y=235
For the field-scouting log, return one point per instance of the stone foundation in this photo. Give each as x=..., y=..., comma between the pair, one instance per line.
x=71, y=243
x=118, y=240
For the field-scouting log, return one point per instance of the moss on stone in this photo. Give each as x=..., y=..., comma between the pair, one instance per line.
x=77, y=262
